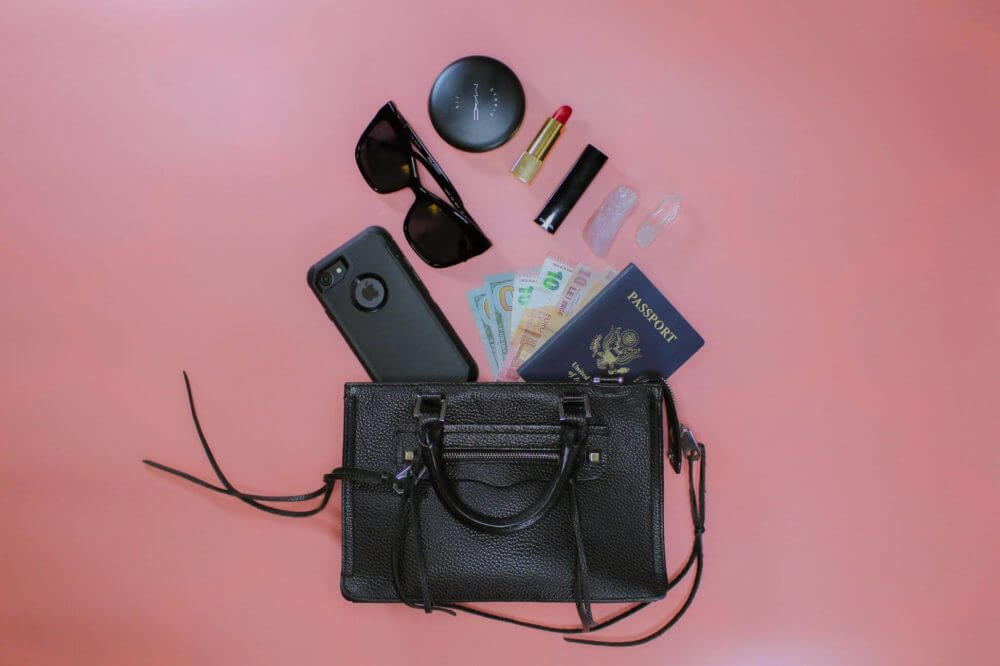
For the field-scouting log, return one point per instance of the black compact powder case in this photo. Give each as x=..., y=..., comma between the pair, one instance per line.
x=476, y=103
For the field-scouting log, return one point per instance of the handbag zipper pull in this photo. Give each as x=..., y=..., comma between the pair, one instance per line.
x=400, y=478
x=689, y=445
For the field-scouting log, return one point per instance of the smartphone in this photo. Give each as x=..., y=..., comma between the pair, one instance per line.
x=371, y=292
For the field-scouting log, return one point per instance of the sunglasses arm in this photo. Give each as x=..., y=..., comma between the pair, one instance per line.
x=443, y=181
x=424, y=157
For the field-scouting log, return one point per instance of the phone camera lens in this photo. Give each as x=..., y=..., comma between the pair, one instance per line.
x=332, y=275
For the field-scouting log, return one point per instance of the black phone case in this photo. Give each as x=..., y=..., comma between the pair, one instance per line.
x=407, y=338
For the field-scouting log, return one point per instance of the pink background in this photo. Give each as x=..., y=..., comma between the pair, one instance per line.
x=168, y=171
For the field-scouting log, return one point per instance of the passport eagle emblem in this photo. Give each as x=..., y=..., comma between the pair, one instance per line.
x=614, y=349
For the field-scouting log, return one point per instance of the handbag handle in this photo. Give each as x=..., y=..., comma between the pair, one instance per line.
x=573, y=435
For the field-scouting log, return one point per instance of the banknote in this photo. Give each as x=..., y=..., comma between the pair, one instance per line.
x=538, y=325
x=482, y=313
x=500, y=290
x=553, y=278
x=578, y=285
x=606, y=276
x=516, y=312
x=524, y=283
x=542, y=323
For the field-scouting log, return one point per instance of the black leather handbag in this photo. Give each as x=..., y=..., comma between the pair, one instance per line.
x=458, y=493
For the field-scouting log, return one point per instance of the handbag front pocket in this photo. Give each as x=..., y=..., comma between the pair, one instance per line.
x=506, y=455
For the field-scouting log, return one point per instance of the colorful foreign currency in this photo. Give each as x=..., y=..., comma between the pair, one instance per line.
x=553, y=277
x=516, y=312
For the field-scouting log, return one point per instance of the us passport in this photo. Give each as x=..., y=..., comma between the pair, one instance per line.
x=627, y=329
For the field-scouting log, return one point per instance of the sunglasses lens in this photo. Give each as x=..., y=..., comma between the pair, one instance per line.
x=439, y=236
x=384, y=157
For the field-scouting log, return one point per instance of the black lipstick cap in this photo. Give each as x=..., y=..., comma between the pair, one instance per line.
x=571, y=188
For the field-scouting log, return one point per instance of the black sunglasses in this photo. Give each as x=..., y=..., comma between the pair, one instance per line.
x=387, y=155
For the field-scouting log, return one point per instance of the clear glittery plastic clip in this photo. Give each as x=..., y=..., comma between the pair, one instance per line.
x=662, y=216
x=607, y=219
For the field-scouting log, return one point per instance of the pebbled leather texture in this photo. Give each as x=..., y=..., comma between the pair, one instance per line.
x=620, y=492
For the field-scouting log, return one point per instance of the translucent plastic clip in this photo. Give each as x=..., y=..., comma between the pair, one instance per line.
x=658, y=220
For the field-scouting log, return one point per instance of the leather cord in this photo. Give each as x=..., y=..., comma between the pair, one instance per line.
x=324, y=492
x=581, y=591
x=697, y=499
x=409, y=513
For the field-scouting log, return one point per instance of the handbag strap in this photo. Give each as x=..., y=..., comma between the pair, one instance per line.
x=681, y=443
x=430, y=415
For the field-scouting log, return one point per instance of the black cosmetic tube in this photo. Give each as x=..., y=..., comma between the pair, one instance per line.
x=571, y=188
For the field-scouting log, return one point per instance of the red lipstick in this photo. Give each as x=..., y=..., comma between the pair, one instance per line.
x=531, y=160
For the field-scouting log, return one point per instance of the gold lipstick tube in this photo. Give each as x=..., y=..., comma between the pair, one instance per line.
x=531, y=160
